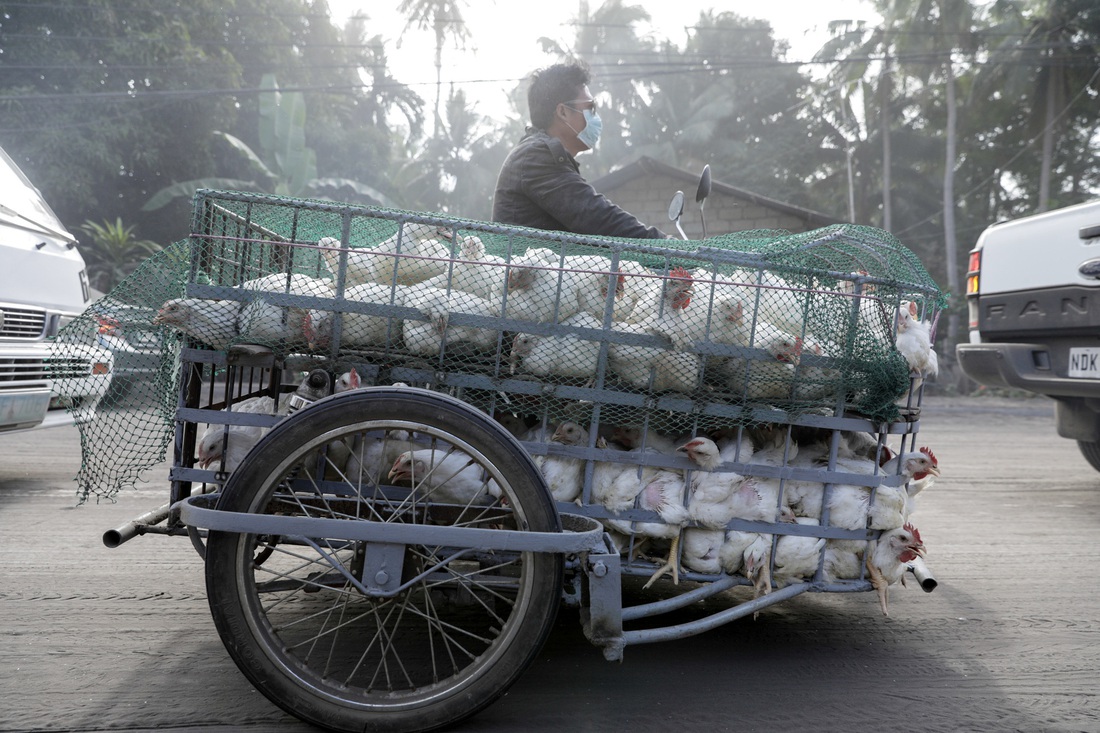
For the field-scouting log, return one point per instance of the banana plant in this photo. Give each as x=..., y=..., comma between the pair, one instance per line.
x=284, y=165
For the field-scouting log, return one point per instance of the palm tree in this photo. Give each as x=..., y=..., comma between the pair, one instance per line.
x=114, y=252
x=385, y=94
x=930, y=34
x=1035, y=61
x=856, y=51
x=444, y=18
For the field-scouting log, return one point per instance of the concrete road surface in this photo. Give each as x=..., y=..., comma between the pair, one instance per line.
x=93, y=639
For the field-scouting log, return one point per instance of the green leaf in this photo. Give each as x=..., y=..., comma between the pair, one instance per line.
x=360, y=188
x=253, y=159
x=269, y=103
x=187, y=188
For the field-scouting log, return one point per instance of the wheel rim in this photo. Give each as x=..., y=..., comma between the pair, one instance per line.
x=431, y=640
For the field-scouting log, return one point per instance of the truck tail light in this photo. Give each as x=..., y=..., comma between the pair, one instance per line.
x=108, y=326
x=973, y=278
x=973, y=270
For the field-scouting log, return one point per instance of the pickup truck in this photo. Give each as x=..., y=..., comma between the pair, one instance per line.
x=43, y=286
x=1033, y=300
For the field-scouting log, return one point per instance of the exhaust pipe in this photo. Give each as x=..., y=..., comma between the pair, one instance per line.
x=139, y=526
x=923, y=575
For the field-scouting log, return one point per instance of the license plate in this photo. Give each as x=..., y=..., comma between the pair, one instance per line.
x=16, y=409
x=1084, y=362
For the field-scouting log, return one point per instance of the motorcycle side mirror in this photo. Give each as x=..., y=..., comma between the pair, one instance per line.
x=676, y=210
x=701, y=195
x=704, y=186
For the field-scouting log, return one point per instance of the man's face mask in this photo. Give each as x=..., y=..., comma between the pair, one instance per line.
x=593, y=125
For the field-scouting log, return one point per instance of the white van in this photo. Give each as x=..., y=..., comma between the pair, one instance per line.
x=43, y=286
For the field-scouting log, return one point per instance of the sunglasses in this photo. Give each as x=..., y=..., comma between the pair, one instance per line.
x=573, y=104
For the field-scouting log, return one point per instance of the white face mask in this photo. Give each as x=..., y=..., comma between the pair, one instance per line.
x=593, y=125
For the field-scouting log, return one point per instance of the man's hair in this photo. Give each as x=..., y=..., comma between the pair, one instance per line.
x=552, y=86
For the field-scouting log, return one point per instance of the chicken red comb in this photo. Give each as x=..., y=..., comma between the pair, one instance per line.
x=885, y=455
x=680, y=274
x=913, y=531
x=928, y=452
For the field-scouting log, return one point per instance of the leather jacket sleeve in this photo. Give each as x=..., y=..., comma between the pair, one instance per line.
x=540, y=186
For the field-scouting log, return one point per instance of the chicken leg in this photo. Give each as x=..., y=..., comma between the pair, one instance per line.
x=880, y=584
x=671, y=564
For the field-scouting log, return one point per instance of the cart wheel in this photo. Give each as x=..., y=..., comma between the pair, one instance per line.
x=462, y=630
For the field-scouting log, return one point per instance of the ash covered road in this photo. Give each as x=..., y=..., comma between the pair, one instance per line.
x=93, y=639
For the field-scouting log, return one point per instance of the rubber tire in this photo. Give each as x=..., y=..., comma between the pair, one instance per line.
x=1091, y=452
x=304, y=691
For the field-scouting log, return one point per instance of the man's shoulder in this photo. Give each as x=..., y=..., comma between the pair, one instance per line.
x=539, y=143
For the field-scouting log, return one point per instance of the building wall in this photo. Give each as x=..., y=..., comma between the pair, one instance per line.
x=648, y=198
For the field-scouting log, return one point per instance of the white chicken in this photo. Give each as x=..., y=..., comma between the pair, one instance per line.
x=796, y=557
x=659, y=490
x=888, y=558
x=841, y=562
x=922, y=479
x=716, y=497
x=370, y=456
x=652, y=367
x=262, y=321
x=632, y=436
x=473, y=271
x=724, y=323
x=445, y=476
x=593, y=274
x=233, y=442
x=427, y=338
x=358, y=329
x=658, y=298
x=914, y=342
x=229, y=442
x=214, y=322
x=569, y=356
x=636, y=284
x=220, y=323
x=336, y=452
x=731, y=554
x=347, y=381
x=700, y=549
x=873, y=315
x=850, y=505
x=413, y=254
x=538, y=290
x=776, y=450
x=766, y=376
x=564, y=475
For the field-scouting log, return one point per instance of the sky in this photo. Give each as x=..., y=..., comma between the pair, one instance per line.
x=505, y=36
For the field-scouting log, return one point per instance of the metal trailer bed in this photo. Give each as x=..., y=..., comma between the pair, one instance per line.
x=357, y=596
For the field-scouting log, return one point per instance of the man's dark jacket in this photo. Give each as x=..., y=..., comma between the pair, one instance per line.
x=540, y=186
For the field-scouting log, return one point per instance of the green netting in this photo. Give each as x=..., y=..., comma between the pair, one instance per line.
x=669, y=336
